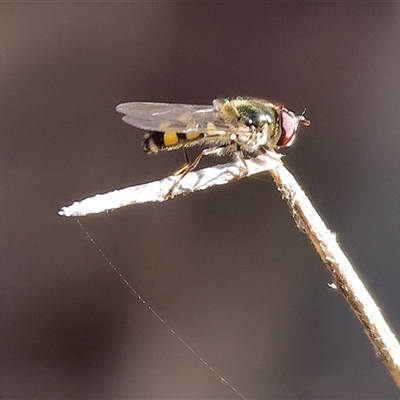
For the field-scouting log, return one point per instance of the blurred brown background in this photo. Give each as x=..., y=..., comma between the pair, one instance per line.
x=226, y=268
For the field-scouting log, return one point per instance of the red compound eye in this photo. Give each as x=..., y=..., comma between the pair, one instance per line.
x=289, y=123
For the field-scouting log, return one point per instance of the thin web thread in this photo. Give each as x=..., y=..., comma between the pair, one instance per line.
x=144, y=302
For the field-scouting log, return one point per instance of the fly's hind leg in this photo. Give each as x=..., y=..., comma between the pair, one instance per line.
x=190, y=166
x=185, y=166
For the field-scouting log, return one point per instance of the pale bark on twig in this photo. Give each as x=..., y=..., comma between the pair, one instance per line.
x=158, y=191
x=344, y=276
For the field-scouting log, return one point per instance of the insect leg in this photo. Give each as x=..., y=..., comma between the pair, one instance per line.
x=271, y=151
x=239, y=156
x=190, y=166
x=185, y=166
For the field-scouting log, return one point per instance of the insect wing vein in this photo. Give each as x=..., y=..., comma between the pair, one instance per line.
x=182, y=118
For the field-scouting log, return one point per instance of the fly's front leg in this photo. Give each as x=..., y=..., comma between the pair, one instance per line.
x=271, y=152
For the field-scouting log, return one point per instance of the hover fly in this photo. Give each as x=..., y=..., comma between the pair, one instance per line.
x=239, y=126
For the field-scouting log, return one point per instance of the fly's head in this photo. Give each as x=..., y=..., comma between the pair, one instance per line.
x=259, y=123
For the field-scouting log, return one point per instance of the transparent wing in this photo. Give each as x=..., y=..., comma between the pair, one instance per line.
x=182, y=118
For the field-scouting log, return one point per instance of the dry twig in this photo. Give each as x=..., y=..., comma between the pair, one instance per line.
x=157, y=191
x=306, y=217
x=345, y=277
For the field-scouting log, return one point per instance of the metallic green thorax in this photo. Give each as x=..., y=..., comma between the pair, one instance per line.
x=261, y=115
